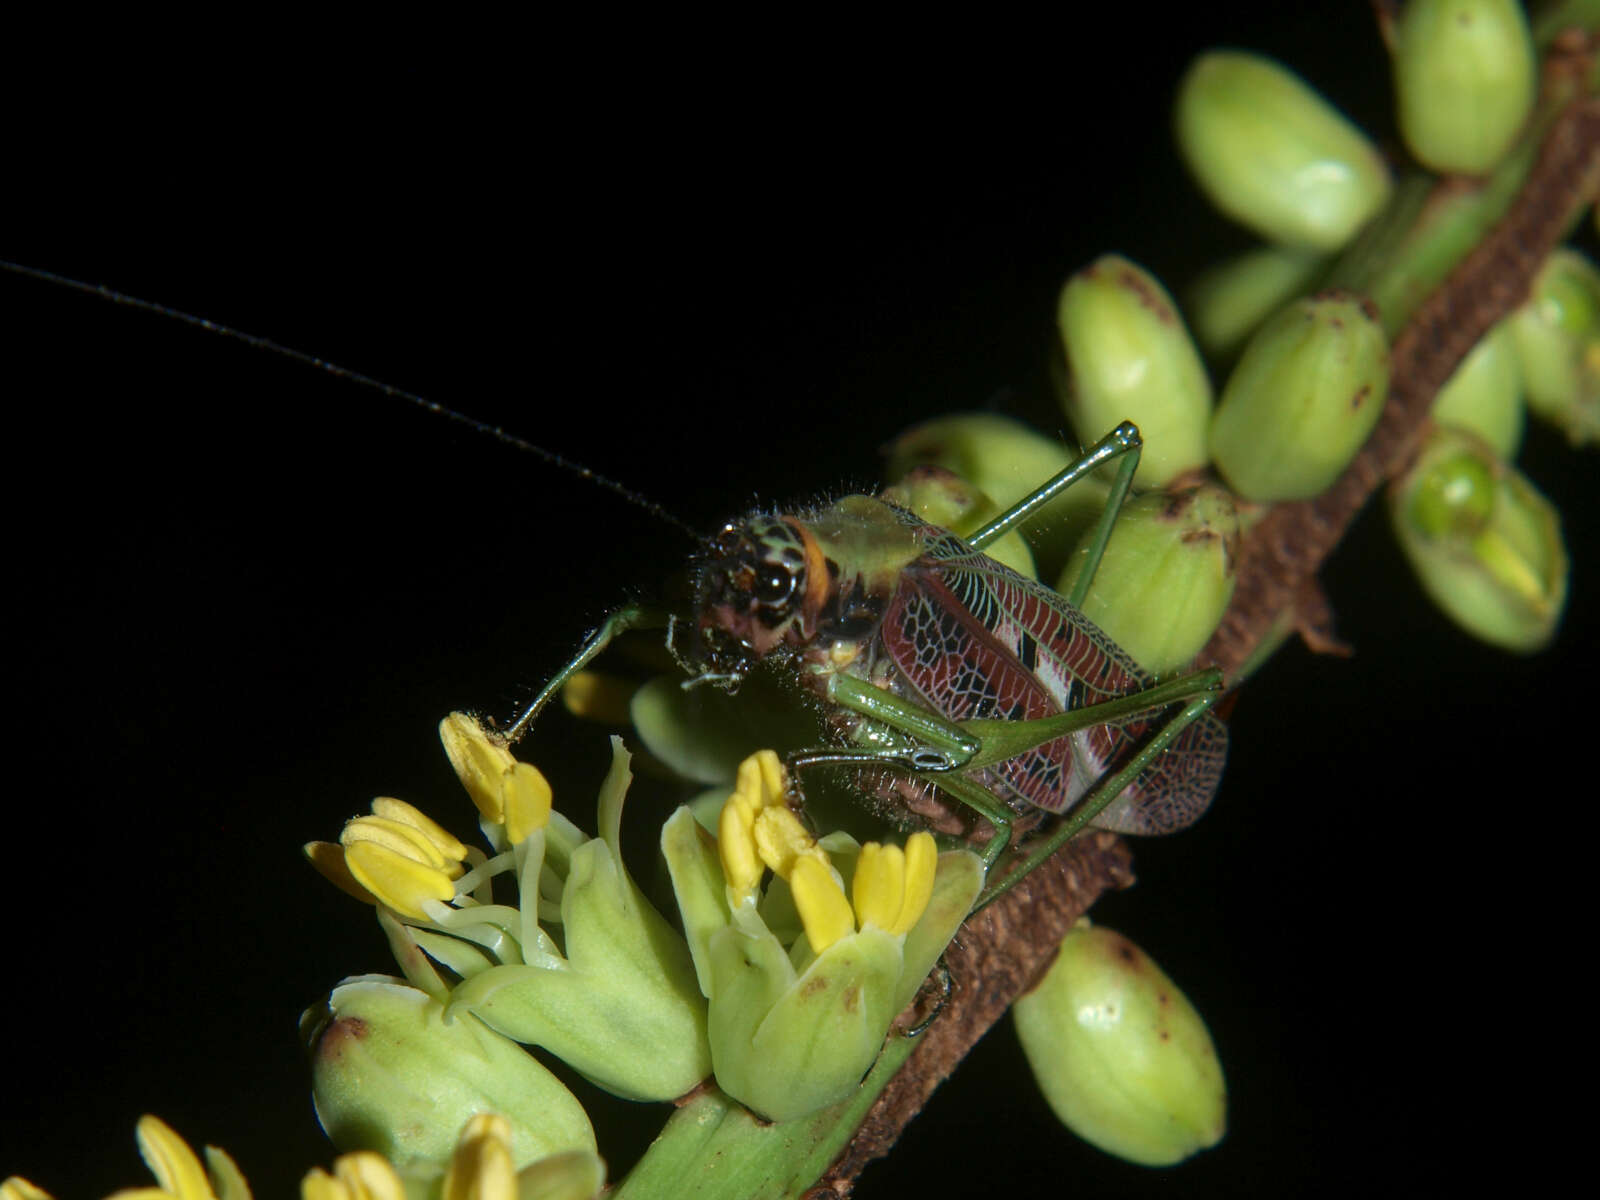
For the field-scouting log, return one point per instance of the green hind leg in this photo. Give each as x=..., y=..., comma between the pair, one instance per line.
x=634, y=616
x=939, y=749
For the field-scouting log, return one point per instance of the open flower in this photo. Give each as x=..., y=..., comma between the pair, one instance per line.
x=618, y=1001
x=795, y=1026
x=609, y=988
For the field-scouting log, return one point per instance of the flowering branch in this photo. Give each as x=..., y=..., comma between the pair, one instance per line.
x=1002, y=949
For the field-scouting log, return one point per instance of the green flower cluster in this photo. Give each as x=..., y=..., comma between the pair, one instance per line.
x=1296, y=334
x=783, y=993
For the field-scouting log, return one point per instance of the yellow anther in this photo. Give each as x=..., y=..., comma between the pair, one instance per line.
x=399, y=838
x=922, y=864
x=398, y=810
x=880, y=884
x=481, y=1167
x=760, y=782
x=485, y=1125
x=773, y=780
x=781, y=840
x=757, y=791
x=179, y=1175
x=747, y=791
x=892, y=886
x=479, y=760
x=362, y=1175
x=736, y=846
x=396, y=880
x=397, y=857
x=526, y=795
x=328, y=859
x=821, y=903
x=18, y=1188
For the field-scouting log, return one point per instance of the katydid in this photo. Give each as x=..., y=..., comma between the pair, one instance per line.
x=950, y=677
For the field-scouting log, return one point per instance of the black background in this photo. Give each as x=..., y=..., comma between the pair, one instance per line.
x=246, y=592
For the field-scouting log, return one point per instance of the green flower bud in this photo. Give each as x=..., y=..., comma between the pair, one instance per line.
x=1166, y=577
x=1121, y=1055
x=943, y=498
x=1229, y=300
x=1484, y=396
x=1129, y=358
x=1275, y=156
x=1484, y=543
x=1005, y=460
x=1302, y=399
x=1557, y=336
x=1465, y=77
x=391, y=1073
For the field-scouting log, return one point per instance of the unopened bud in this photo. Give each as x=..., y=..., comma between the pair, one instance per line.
x=941, y=497
x=1274, y=155
x=1129, y=358
x=390, y=1073
x=1305, y=394
x=1465, y=77
x=1228, y=301
x=1484, y=396
x=1557, y=336
x=1166, y=576
x=1121, y=1055
x=1005, y=460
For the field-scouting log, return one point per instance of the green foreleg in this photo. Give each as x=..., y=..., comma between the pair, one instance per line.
x=632, y=617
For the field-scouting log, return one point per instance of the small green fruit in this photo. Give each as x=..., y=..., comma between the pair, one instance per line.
x=1005, y=460
x=1274, y=155
x=1465, y=77
x=1228, y=301
x=1121, y=1055
x=1484, y=396
x=1166, y=577
x=1557, y=337
x=943, y=498
x=1305, y=395
x=1129, y=358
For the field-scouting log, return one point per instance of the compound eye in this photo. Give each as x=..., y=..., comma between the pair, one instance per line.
x=728, y=540
x=774, y=586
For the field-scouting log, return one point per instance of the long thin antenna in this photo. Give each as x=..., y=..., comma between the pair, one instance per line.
x=356, y=377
